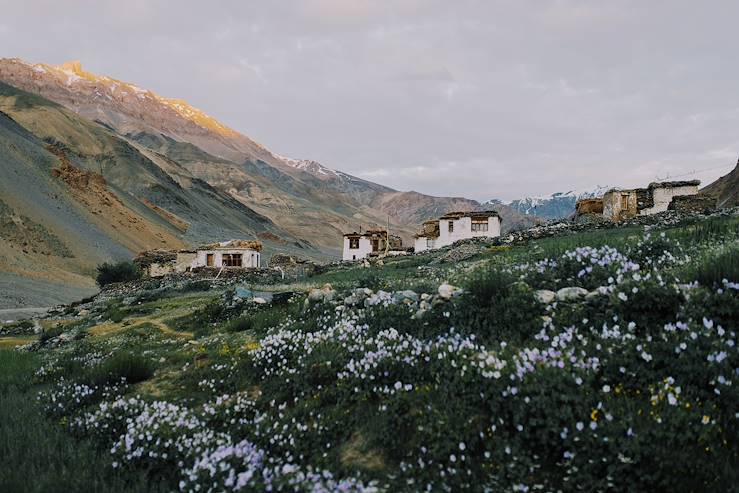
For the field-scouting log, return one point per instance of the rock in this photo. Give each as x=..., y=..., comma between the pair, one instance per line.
x=572, y=293
x=259, y=300
x=83, y=313
x=406, y=296
x=545, y=296
x=315, y=295
x=593, y=294
x=447, y=291
x=328, y=292
x=380, y=262
x=242, y=293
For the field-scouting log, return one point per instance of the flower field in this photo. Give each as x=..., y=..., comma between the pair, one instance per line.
x=591, y=362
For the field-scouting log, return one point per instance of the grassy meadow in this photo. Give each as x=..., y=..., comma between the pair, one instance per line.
x=598, y=361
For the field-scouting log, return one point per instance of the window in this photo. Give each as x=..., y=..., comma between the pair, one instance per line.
x=429, y=243
x=375, y=245
x=624, y=201
x=480, y=225
x=232, y=260
x=451, y=226
x=210, y=260
x=354, y=243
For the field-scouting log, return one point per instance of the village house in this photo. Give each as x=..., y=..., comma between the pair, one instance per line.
x=228, y=254
x=455, y=226
x=625, y=204
x=358, y=246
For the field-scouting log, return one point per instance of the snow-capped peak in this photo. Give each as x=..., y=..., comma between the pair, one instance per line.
x=313, y=167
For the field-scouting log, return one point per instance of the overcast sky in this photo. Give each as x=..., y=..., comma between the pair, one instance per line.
x=480, y=99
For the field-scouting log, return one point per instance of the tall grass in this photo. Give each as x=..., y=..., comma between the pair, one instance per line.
x=39, y=455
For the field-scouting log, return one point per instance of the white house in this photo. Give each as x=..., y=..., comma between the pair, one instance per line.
x=234, y=253
x=455, y=226
x=358, y=246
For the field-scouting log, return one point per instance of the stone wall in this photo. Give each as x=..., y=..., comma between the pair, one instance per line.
x=692, y=203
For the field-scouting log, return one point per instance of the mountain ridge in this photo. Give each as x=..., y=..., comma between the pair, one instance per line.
x=311, y=200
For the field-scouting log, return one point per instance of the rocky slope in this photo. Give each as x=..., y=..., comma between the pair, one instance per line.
x=75, y=194
x=307, y=199
x=725, y=189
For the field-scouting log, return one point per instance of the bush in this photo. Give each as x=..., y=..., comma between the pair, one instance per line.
x=133, y=367
x=55, y=331
x=497, y=306
x=648, y=304
x=712, y=271
x=108, y=273
x=239, y=324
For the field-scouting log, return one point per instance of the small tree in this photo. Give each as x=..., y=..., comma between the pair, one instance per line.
x=109, y=273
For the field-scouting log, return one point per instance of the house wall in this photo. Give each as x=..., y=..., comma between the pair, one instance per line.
x=365, y=248
x=424, y=243
x=662, y=197
x=160, y=270
x=463, y=230
x=612, y=206
x=185, y=261
x=250, y=258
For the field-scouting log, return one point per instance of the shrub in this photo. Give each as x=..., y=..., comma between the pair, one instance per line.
x=238, y=324
x=108, y=273
x=133, y=367
x=497, y=306
x=55, y=331
x=648, y=304
x=712, y=271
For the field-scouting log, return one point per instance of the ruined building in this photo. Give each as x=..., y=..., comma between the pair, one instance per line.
x=228, y=254
x=620, y=204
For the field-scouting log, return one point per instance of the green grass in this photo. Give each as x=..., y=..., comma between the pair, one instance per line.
x=38, y=455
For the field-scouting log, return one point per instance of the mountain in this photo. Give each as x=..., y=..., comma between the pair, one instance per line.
x=145, y=171
x=74, y=194
x=556, y=206
x=725, y=189
x=307, y=199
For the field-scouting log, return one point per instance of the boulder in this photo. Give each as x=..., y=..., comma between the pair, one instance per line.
x=545, y=296
x=447, y=291
x=406, y=296
x=572, y=293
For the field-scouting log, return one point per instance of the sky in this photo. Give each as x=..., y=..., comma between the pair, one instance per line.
x=482, y=99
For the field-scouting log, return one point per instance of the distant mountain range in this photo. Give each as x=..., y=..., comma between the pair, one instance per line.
x=556, y=206
x=95, y=169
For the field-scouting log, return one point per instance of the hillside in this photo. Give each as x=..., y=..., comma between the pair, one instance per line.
x=305, y=198
x=725, y=189
x=591, y=360
x=74, y=194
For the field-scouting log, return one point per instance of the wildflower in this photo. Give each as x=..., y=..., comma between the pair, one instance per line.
x=706, y=419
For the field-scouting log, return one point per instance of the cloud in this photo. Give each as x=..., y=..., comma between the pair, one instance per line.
x=476, y=98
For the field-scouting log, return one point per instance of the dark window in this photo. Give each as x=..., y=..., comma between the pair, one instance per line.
x=354, y=243
x=232, y=260
x=209, y=260
x=375, y=245
x=451, y=226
